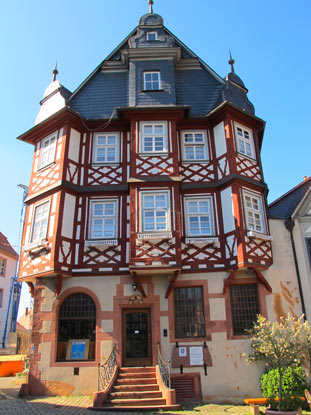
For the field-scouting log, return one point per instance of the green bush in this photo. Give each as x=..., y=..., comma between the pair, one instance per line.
x=294, y=383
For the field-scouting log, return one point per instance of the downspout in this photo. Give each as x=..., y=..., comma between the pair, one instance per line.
x=289, y=225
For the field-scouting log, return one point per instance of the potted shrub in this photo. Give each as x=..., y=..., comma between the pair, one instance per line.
x=280, y=345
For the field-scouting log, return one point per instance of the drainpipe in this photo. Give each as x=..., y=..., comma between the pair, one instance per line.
x=289, y=225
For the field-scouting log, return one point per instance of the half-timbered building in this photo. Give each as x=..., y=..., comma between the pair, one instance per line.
x=146, y=224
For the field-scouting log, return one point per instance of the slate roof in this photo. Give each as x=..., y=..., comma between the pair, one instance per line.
x=6, y=246
x=284, y=206
x=200, y=88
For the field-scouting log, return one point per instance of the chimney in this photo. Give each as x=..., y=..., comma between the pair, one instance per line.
x=26, y=312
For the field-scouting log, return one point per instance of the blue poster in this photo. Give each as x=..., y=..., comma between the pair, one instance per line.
x=77, y=350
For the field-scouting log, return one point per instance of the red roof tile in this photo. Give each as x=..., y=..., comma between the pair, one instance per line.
x=6, y=246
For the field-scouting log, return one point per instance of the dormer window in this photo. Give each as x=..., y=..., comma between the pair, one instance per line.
x=152, y=36
x=152, y=81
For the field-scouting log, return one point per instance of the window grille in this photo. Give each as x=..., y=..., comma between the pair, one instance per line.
x=244, y=307
x=189, y=314
x=77, y=320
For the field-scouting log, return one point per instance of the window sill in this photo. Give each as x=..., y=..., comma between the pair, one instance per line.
x=152, y=90
x=202, y=241
x=247, y=157
x=101, y=242
x=35, y=247
x=257, y=235
x=46, y=166
x=163, y=153
x=202, y=161
x=106, y=163
x=154, y=235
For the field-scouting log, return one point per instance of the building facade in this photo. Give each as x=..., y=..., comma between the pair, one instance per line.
x=146, y=221
x=290, y=216
x=8, y=260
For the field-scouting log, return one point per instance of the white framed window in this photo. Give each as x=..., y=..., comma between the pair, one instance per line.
x=40, y=222
x=254, y=214
x=199, y=216
x=103, y=219
x=152, y=36
x=154, y=137
x=154, y=212
x=106, y=148
x=47, y=150
x=244, y=141
x=2, y=267
x=194, y=146
x=152, y=81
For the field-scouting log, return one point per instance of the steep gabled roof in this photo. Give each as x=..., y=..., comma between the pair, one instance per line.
x=197, y=86
x=285, y=206
x=6, y=247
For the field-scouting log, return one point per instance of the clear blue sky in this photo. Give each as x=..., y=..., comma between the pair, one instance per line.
x=269, y=40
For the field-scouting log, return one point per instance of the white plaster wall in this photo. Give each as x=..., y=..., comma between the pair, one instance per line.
x=227, y=210
x=5, y=285
x=302, y=230
x=220, y=139
x=105, y=288
x=282, y=275
x=85, y=382
x=68, y=215
x=74, y=145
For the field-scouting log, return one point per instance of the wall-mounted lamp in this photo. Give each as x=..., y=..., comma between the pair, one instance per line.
x=134, y=286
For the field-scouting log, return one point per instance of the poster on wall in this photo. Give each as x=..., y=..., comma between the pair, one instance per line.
x=196, y=356
x=77, y=349
x=182, y=351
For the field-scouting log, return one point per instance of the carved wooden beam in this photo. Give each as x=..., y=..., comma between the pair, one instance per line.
x=31, y=288
x=58, y=285
x=171, y=284
x=139, y=284
x=261, y=278
x=229, y=280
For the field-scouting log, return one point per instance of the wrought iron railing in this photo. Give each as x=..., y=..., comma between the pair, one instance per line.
x=106, y=370
x=164, y=368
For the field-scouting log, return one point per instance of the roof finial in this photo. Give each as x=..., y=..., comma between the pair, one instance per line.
x=55, y=72
x=231, y=62
x=150, y=2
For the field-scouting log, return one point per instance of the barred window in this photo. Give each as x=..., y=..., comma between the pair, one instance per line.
x=76, y=320
x=244, y=307
x=189, y=314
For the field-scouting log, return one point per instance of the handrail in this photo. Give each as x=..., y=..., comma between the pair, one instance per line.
x=165, y=369
x=106, y=370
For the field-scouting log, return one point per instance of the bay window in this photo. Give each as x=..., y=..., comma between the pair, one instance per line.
x=103, y=220
x=155, y=211
x=154, y=137
x=199, y=218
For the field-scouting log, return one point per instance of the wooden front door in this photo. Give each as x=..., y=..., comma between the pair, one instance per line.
x=136, y=338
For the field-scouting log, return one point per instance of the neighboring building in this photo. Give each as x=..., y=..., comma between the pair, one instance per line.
x=146, y=222
x=291, y=223
x=8, y=260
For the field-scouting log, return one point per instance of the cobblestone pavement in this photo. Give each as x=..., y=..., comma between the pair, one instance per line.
x=10, y=404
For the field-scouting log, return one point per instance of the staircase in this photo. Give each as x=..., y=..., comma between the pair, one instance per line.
x=136, y=388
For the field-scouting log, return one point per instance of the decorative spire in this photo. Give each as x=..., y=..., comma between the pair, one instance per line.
x=150, y=2
x=231, y=62
x=55, y=72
